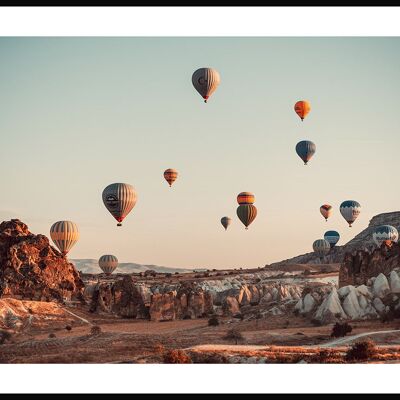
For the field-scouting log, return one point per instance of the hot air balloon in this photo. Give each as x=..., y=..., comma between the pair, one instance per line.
x=170, y=175
x=119, y=199
x=206, y=81
x=302, y=108
x=326, y=211
x=226, y=221
x=350, y=210
x=321, y=247
x=385, y=233
x=305, y=150
x=245, y=198
x=108, y=263
x=246, y=213
x=64, y=234
x=332, y=237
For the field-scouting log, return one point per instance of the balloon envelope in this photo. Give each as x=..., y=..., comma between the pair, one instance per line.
x=170, y=175
x=206, y=81
x=302, y=108
x=246, y=213
x=321, y=247
x=305, y=150
x=326, y=211
x=245, y=198
x=108, y=263
x=119, y=199
x=332, y=237
x=226, y=221
x=64, y=234
x=385, y=233
x=350, y=210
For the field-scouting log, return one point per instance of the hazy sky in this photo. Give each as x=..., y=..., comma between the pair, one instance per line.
x=80, y=113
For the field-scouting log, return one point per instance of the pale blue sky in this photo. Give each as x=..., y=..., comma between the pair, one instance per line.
x=80, y=113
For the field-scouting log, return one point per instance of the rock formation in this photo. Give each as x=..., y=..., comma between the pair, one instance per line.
x=350, y=302
x=361, y=265
x=191, y=299
x=30, y=268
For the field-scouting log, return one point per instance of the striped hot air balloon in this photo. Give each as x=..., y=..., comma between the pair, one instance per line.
x=206, y=81
x=170, y=175
x=245, y=198
x=226, y=221
x=108, y=263
x=350, y=210
x=321, y=247
x=64, y=234
x=385, y=233
x=332, y=237
x=305, y=150
x=302, y=108
x=119, y=199
x=326, y=211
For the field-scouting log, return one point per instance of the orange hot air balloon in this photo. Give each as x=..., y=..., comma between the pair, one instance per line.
x=302, y=108
x=245, y=198
x=326, y=211
x=170, y=175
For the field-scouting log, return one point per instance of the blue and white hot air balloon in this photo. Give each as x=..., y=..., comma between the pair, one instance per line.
x=350, y=210
x=321, y=247
x=385, y=233
x=332, y=237
x=305, y=150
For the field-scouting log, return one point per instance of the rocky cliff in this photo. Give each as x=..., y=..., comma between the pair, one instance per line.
x=362, y=241
x=31, y=268
x=193, y=299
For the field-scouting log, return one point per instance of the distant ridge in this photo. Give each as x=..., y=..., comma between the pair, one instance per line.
x=91, y=266
x=362, y=241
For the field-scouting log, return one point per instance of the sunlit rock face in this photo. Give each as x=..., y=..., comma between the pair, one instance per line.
x=30, y=268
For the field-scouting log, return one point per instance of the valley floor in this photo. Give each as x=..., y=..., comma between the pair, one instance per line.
x=275, y=339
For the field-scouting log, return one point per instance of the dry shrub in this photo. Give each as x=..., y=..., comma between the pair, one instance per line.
x=176, y=357
x=52, y=335
x=159, y=348
x=68, y=328
x=213, y=321
x=341, y=330
x=234, y=335
x=95, y=330
x=208, y=358
x=327, y=356
x=363, y=350
x=4, y=336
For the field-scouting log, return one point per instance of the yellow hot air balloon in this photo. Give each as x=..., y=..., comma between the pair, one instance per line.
x=206, y=81
x=64, y=235
x=302, y=108
x=108, y=263
x=170, y=175
x=326, y=211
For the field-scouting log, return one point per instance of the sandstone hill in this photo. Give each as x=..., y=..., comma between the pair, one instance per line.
x=30, y=268
x=362, y=241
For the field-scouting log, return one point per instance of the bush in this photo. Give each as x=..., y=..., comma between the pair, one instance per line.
x=95, y=330
x=238, y=316
x=10, y=320
x=4, y=335
x=187, y=316
x=213, y=321
x=68, y=328
x=341, y=330
x=234, y=335
x=176, y=357
x=363, y=350
x=316, y=322
x=52, y=335
x=209, y=358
